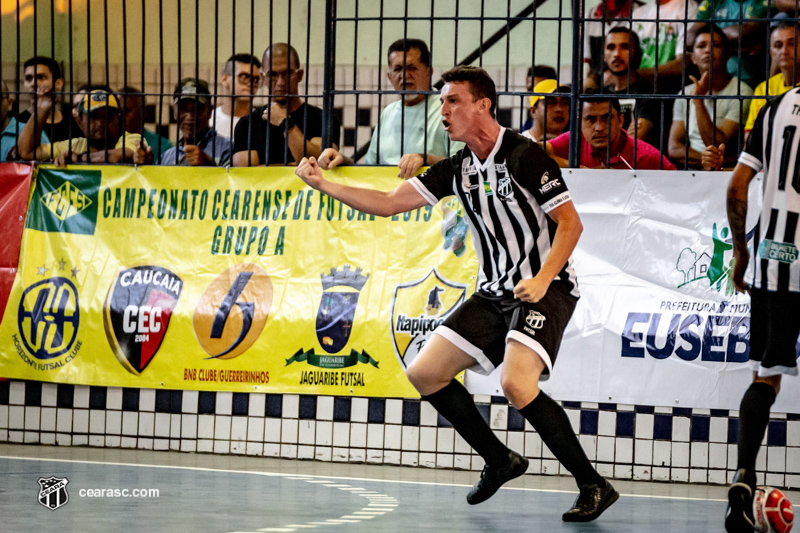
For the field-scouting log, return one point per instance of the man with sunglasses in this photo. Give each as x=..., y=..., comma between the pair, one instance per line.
x=240, y=79
x=287, y=129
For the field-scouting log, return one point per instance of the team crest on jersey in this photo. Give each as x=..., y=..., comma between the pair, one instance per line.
x=504, y=189
x=137, y=311
x=53, y=492
x=535, y=319
x=233, y=311
x=418, y=307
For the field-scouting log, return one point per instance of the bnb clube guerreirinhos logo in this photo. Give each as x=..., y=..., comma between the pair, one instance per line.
x=48, y=319
x=418, y=307
x=65, y=201
x=136, y=313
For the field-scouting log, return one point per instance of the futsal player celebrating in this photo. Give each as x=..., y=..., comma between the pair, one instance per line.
x=524, y=228
x=773, y=283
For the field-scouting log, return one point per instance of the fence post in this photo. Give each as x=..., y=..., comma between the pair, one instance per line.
x=577, y=75
x=329, y=72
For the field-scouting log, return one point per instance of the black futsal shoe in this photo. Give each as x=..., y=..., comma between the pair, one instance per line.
x=591, y=503
x=739, y=516
x=493, y=477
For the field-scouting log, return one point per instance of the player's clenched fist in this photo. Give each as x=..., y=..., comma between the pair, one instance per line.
x=309, y=171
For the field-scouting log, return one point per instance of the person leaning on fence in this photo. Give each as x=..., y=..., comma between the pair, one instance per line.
x=240, y=80
x=641, y=117
x=133, y=104
x=784, y=40
x=710, y=121
x=287, y=129
x=103, y=141
x=199, y=145
x=526, y=289
x=405, y=126
x=604, y=143
x=554, y=109
x=9, y=127
x=44, y=72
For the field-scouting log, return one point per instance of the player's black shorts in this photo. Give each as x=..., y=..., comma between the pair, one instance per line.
x=484, y=322
x=774, y=327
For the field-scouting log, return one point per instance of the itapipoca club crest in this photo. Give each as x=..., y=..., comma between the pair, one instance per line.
x=418, y=307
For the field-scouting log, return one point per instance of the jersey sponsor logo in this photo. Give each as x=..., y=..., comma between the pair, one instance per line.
x=233, y=311
x=504, y=189
x=53, y=492
x=545, y=177
x=500, y=168
x=467, y=168
x=487, y=188
x=48, y=319
x=418, y=308
x=783, y=252
x=137, y=312
x=549, y=185
x=65, y=201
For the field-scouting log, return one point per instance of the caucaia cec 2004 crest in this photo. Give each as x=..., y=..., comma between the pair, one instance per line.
x=136, y=313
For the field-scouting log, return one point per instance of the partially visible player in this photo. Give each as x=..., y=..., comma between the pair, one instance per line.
x=524, y=227
x=773, y=282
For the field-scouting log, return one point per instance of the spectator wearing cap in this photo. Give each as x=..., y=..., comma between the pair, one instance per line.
x=199, y=145
x=9, y=127
x=103, y=141
x=784, y=41
x=287, y=129
x=550, y=114
x=641, y=117
x=535, y=76
x=410, y=133
x=240, y=80
x=133, y=105
x=708, y=121
x=604, y=144
x=44, y=73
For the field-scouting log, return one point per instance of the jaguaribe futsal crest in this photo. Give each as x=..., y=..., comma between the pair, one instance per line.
x=48, y=317
x=233, y=311
x=418, y=307
x=53, y=492
x=338, y=307
x=136, y=313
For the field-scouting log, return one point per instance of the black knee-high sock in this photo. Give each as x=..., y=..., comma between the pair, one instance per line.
x=753, y=421
x=551, y=422
x=455, y=403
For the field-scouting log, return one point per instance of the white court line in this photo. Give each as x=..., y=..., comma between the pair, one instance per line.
x=343, y=478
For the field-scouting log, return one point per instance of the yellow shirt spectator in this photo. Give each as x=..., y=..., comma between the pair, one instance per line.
x=776, y=86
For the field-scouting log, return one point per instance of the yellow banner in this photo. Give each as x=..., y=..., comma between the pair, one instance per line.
x=242, y=280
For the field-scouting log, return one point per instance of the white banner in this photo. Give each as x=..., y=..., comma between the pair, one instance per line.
x=658, y=322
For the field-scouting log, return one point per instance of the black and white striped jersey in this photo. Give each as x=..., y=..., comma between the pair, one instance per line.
x=773, y=147
x=506, y=200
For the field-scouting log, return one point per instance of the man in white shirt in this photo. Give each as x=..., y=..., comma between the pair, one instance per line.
x=410, y=133
x=240, y=80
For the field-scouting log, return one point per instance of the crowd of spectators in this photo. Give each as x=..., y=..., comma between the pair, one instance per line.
x=666, y=84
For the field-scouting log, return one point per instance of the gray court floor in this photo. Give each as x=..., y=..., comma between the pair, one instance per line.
x=198, y=493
